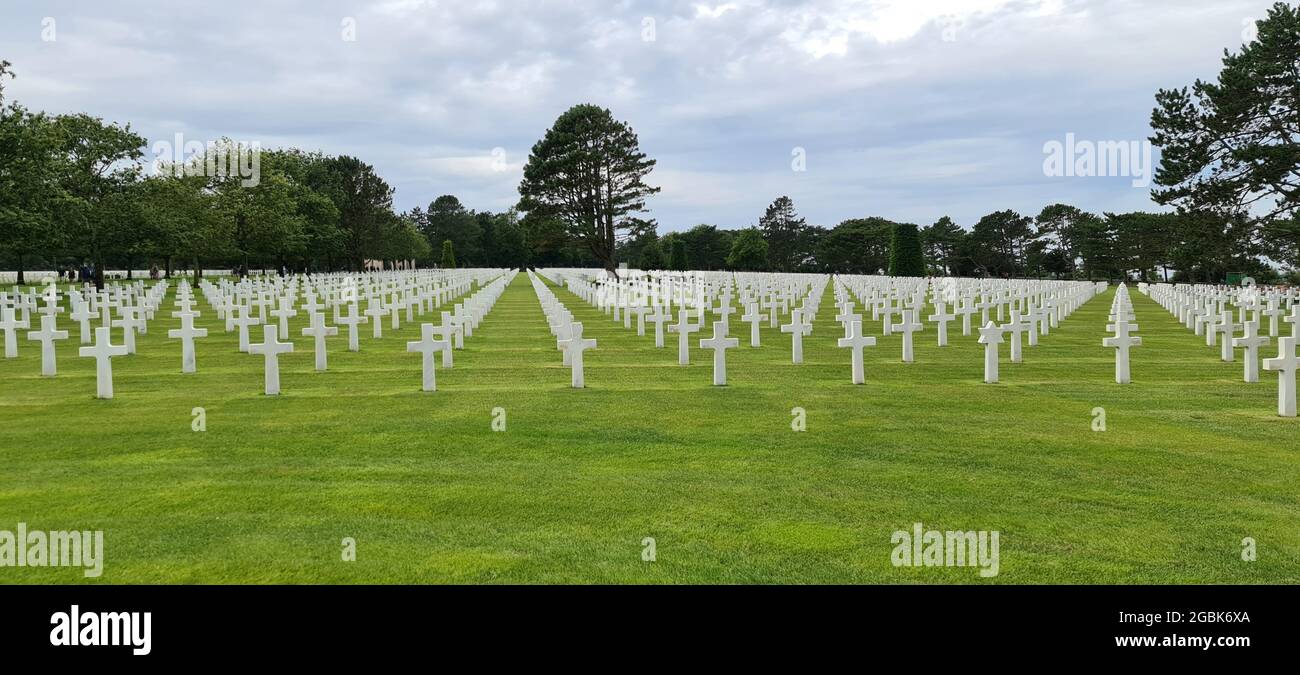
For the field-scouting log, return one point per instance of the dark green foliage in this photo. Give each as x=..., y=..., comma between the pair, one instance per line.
x=859, y=246
x=906, y=259
x=748, y=252
x=448, y=219
x=942, y=243
x=448, y=255
x=588, y=173
x=1232, y=146
x=677, y=261
x=782, y=228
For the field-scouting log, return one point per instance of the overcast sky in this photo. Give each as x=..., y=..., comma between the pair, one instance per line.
x=907, y=109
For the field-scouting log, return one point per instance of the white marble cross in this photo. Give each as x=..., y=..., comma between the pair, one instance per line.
x=186, y=334
x=319, y=331
x=1207, y=322
x=8, y=325
x=1122, y=341
x=846, y=316
x=271, y=348
x=243, y=321
x=1037, y=318
x=128, y=324
x=562, y=337
x=427, y=346
x=285, y=311
x=755, y=320
x=797, y=329
x=1284, y=364
x=942, y=317
x=1250, y=342
x=856, y=341
x=684, y=328
x=461, y=325
x=720, y=343
x=352, y=320
x=575, y=346
x=1017, y=328
x=640, y=311
x=103, y=352
x=908, y=327
x=991, y=337
x=725, y=310
x=1227, y=328
x=47, y=335
x=448, y=331
x=376, y=311
x=659, y=317
x=82, y=315
x=394, y=312
x=965, y=310
x=51, y=299
x=1294, y=319
x=772, y=305
x=1274, y=312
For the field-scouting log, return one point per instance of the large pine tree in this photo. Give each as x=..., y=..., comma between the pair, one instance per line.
x=1232, y=146
x=782, y=227
x=905, y=256
x=588, y=171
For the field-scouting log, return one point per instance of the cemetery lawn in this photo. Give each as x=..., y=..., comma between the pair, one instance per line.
x=1192, y=461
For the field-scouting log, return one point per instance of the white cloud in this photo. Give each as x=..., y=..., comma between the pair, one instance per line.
x=898, y=119
x=714, y=11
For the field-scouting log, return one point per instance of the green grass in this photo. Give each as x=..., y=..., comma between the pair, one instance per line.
x=1194, y=460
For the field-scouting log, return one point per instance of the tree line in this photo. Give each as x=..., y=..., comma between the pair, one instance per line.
x=1060, y=242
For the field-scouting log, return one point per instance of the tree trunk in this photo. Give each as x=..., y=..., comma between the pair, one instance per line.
x=168, y=264
x=198, y=270
x=21, y=277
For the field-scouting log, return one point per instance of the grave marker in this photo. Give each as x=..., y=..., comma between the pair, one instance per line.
x=856, y=341
x=1284, y=364
x=103, y=352
x=47, y=335
x=575, y=346
x=186, y=334
x=427, y=346
x=720, y=343
x=271, y=348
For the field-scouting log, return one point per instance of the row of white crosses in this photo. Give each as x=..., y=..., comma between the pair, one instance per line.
x=405, y=295
x=854, y=339
x=649, y=297
x=1121, y=322
x=386, y=295
x=136, y=305
x=435, y=339
x=1207, y=311
x=569, y=338
x=1032, y=308
x=1037, y=320
x=130, y=306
